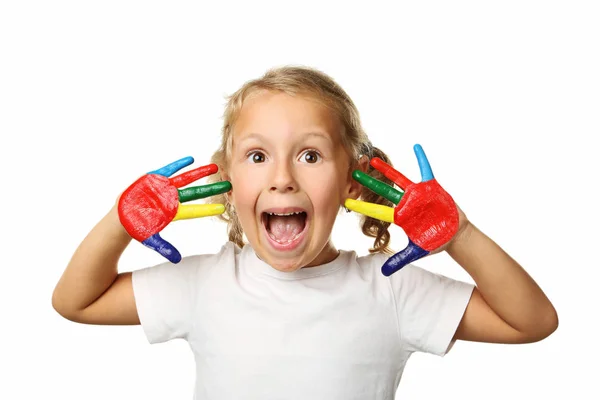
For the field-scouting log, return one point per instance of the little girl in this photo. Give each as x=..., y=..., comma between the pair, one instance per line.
x=287, y=315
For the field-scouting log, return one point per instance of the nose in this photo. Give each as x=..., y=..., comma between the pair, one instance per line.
x=283, y=180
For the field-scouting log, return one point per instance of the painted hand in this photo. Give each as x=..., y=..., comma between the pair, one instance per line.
x=425, y=211
x=153, y=201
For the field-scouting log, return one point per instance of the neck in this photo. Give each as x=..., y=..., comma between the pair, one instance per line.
x=328, y=254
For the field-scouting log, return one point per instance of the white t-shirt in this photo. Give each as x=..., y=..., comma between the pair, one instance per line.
x=341, y=330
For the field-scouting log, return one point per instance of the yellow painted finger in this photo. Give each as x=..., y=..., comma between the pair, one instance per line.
x=189, y=211
x=377, y=211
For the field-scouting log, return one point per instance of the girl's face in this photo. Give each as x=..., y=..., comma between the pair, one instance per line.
x=290, y=174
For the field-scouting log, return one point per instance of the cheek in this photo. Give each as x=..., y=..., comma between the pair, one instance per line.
x=326, y=189
x=246, y=185
x=242, y=193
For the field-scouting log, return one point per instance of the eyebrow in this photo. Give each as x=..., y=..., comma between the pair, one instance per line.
x=320, y=135
x=260, y=137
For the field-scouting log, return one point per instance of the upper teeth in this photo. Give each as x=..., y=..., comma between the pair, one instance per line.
x=286, y=214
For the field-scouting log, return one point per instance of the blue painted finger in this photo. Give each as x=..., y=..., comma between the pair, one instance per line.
x=170, y=169
x=164, y=248
x=426, y=173
x=411, y=253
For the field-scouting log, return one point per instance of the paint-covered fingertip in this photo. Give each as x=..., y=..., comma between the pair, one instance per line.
x=188, y=160
x=393, y=265
x=173, y=167
x=426, y=172
x=386, y=272
x=361, y=177
x=182, y=163
x=372, y=210
x=174, y=258
x=225, y=186
x=357, y=174
x=378, y=163
x=212, y=168
x=348, y=203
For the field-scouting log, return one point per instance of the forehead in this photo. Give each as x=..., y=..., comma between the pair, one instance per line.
x=269, y=112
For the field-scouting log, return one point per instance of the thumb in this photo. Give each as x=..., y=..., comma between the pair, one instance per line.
x=164, y=248
x=396, y=262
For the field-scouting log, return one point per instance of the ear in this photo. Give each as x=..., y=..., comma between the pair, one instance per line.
x=355, y=188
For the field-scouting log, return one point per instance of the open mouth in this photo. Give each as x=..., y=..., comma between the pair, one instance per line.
x=285, y=230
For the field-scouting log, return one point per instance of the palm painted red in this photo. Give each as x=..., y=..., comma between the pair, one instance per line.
x=426, y=213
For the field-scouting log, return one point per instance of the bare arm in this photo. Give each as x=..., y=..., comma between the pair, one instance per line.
x=90, y=289
x=507, y=306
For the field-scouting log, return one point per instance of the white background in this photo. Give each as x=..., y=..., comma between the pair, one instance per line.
x=503, y=96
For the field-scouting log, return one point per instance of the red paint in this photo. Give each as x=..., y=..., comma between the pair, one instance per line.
x=148, y=205
x=390, y=173
x=193, y=175
x=427, y=214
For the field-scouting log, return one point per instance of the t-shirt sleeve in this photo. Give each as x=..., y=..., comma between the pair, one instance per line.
x=164, y=297
x=429, y=308
x=166, y=294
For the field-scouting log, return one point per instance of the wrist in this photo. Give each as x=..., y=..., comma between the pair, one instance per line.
x=462, y=237
x=114, y=222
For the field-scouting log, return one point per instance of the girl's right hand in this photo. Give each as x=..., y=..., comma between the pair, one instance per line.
x=153, y=201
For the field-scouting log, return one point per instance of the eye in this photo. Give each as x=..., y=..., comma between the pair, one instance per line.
x=310, y=156
x=256, y=157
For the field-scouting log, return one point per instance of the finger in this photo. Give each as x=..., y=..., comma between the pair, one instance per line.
x=200, y=192
x=426, y=173
x=390, y=173
x=377, y=211
x=378, y=187
x=411, y=253
x=193, y=175
x=170, y=169
x=198, y=210
x=164, y=248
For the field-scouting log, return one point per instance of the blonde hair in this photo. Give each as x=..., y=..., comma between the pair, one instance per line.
x=294, y=80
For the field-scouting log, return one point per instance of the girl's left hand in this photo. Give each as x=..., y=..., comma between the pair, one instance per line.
x=425, y=211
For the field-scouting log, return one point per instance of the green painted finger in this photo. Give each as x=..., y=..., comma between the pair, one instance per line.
x=200, y=192
x=378, y=187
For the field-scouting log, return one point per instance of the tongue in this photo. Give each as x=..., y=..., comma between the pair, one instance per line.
x=285, y=228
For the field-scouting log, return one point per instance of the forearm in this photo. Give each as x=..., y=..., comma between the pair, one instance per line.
x=93, y=267
x=505, y=286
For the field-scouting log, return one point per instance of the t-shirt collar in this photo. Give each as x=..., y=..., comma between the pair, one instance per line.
x=251, y=261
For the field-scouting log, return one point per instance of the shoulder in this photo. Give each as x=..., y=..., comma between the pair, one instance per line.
x=193, y=266
x=372, y=260
x=368, y=267
x=227, y=254
x=410, y=278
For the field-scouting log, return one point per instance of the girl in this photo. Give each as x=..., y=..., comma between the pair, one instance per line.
x=286, y=314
